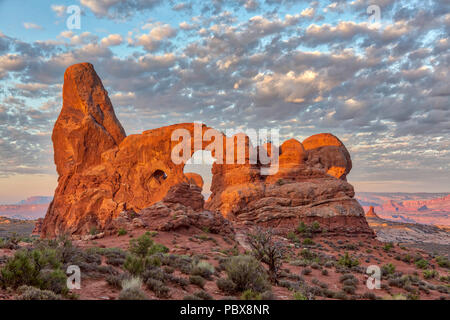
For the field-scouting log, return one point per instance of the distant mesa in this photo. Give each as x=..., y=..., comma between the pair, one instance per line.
x=36, y=200
x=105, y=175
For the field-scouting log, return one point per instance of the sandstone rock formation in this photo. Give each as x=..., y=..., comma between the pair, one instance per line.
x=106, y=179
x=371, y=213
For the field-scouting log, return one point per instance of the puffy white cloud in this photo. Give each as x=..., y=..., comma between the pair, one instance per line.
x=30, y=25
x=112, y=40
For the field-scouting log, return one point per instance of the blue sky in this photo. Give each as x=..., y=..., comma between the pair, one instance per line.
x=301, y=66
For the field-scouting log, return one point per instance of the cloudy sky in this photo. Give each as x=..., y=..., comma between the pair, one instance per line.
x=305, y=67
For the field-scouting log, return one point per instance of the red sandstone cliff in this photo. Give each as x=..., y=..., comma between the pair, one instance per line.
x=103, y=173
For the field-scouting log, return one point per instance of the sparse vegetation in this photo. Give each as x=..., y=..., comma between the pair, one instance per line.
x=348, y=261
x=246, y=273
x=267, y=250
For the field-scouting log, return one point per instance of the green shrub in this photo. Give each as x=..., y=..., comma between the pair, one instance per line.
x=54, y=280
x=299, y=296
x=315, y=226
x=141, y=246
x=308, y=242
x=246, y=273
x=121, y=232
x=203, y=269
x=135, y=265
x=158, y=248
x=388, y=246
x=388, y=269
x=197, y=280
x=443, y=262
x=348, y=261
x=250, y=295
x=421, y=263
x=292, y=236
x=26, y=268
x=302, y=228
x=429, y=274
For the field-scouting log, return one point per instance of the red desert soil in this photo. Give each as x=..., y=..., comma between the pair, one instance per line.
x=185, y=242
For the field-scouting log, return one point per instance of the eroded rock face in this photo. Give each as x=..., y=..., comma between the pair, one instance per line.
x=326, y=151
x=106, y=179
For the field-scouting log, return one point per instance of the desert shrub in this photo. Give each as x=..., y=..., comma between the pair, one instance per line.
x=421, y=263
x=26, y=266
x=348, y=261
x=315, y=226
x=158, y=248
x=292, y=236
x=197, y=280
x=226, y=285
x=324, y=272
x=443, y=262
x=429, y=274
x=154, y=273
x=158, y=287
x=346, y=277
x=250, y=295
x=121, y=232
x=203, y=295
x=302, y=227
x=131, y=290
x=308, y=242
x=246, y=273
x=388, y=269
x=115, y=257
x=341, y=295
x=116, y=281
x=203, y=269
x=135, y=265
x=388, y=246
x=369, y=296
x=315, y=265
x=299, y=296
x=168, y=269
x=32, y=293
x=183, y=263
x=349, y=289
x=267, y=250
x=141, y=246
x=54, y=280
x=182, y=282
x=308, y=254
x=306, y=271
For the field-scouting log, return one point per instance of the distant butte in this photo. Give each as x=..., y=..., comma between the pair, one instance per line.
x=105, y=175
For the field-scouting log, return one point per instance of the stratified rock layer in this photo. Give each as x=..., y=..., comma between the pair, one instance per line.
x=104, y=175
